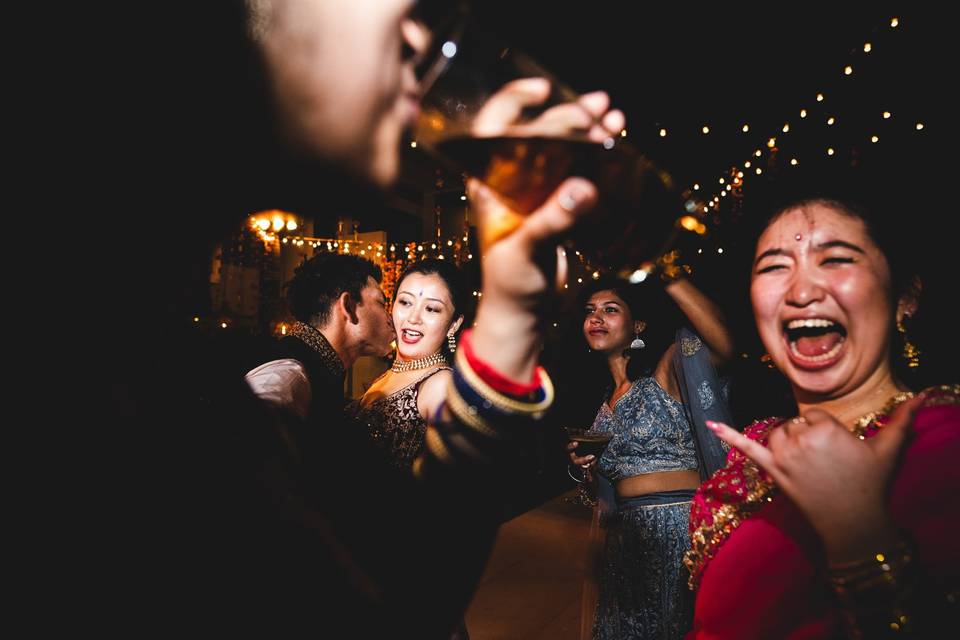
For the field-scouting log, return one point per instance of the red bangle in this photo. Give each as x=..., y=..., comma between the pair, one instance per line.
x=492, y=377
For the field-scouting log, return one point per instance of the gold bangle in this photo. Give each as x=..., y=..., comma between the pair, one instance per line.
x=878, y=569
x=502, y=402
x=467, y=414
x=872, y=591
x=437, y=447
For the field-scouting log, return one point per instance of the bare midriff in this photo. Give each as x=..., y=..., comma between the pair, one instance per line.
x=659, y=481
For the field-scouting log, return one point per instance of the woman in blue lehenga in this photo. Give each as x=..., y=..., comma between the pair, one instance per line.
x=660, y=448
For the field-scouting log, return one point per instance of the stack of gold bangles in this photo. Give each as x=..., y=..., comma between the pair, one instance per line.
x=490, y=416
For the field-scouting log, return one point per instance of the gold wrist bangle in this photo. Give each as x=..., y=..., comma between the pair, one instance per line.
x=437, y=447
x=459, y=408
x=500, y=401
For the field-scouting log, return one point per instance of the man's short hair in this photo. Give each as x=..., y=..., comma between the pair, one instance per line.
x=319, y=281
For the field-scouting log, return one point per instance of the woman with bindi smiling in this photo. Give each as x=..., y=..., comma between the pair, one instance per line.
x=427, y=316
x=842, y=519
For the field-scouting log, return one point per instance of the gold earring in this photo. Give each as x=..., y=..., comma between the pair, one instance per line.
x=910, y=351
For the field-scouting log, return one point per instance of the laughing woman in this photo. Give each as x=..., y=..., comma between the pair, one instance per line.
x=843, y=519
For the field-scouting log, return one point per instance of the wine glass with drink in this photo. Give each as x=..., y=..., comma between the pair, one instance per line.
x=492, y=112
x=588, y=443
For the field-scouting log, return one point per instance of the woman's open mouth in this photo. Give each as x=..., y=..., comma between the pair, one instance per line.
x=814, y=343
x=409, y=336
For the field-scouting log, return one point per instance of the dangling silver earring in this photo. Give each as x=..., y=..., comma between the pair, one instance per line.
x=451, y=342
x=637, y=342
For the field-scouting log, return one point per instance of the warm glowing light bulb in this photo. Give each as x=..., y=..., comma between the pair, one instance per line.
x=819, y=97
x=847, y=70
x=663, y=133
x=705, y=129
x=867, y=47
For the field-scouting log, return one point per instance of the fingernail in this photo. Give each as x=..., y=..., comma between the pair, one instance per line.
x=568, y=202
x=712, y=425
x=572, y=198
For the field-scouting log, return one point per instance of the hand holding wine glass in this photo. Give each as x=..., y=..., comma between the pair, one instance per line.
x=585, y=447
x=495, y=114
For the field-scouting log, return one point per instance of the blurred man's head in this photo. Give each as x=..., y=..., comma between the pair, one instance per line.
x=342, y=77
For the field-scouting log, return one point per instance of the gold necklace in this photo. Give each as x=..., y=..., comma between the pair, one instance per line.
x=863, y=422
x=399, y=366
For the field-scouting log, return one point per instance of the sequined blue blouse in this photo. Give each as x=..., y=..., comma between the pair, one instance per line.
x=650, y=433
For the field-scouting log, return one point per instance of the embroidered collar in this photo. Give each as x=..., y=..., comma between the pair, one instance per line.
x=316, y=341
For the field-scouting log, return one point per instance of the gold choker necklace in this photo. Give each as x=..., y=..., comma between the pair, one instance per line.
x=399, y=366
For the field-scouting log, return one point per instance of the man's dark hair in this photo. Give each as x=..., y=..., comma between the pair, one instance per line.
x=319, y=281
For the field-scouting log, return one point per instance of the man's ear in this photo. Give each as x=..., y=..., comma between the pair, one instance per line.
x=347, y=305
